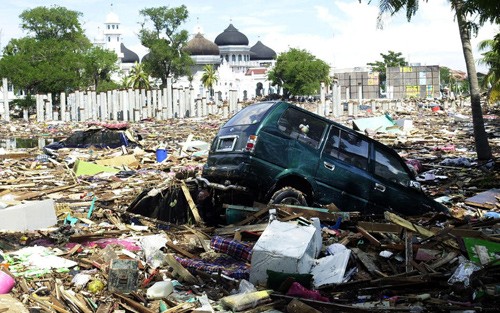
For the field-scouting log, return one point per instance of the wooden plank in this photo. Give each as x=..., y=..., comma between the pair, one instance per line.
x=317, y=212
x=178, y=249
x=368, y=236
x=232, y=229
x=416, y=228
x=180, y=270
x=408, y=250
x=297, y=306
x=366, y=261
x=192, y=205
x=253, y=217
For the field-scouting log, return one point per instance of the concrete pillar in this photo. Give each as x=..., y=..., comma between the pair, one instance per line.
x=199, y=109
x=6, y=109
x=193, y=103
x=204, y=109
x=48, y=107
x=63, y=107
x=350, y=108
x=169, y=101
x=39, y=108
x=322, y=99
x=175, y=103
x=104, y=107
x=360, y=94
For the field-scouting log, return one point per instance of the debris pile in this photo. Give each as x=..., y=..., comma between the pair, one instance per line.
x=104, y=230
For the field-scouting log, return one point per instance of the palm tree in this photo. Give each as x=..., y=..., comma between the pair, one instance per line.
x=137, y=77
x=462, y=8
x=491, y=58
x=209, y=77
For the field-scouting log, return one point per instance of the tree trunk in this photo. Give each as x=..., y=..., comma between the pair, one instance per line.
x=483, y=149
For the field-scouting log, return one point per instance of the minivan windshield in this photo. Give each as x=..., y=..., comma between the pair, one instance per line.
x=250, y=115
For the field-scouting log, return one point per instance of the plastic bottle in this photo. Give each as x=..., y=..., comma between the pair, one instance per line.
x=160, y=289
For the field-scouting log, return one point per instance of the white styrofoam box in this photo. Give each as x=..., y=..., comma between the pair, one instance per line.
x=31, y=215
x=283, y=247
x=330, y=269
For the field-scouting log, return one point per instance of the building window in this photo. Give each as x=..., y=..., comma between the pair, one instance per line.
x=117, y=39
x=239, y=57
x=109, y=39
x=109, y=27
x=116, y=26
x=227, y=58
x=233, y=58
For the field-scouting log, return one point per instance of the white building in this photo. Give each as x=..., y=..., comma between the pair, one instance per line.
x=111, y=38
x=239, y=66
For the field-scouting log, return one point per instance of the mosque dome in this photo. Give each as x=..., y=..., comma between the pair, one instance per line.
x=262, y=52
x=231, y=37
x=199, y=45
x=129, y=56
x=112, y=18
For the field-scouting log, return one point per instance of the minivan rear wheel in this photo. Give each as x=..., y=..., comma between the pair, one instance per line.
x=288, y=195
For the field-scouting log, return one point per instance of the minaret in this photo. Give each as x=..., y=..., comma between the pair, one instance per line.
x=112, y=32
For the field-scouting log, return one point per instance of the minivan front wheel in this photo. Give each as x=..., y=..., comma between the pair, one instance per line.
x=288, y=195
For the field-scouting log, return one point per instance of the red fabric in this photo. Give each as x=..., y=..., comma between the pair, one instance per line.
x=297, y=290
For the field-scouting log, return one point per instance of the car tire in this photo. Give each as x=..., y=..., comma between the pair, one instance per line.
x=288, y=195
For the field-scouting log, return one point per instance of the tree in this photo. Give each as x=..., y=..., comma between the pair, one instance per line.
x=138, y=78
x=165, y=41
x=99, y=65
x=391, y=59
x=51, y=57
x=464, y=9
x=209, y=77
x=491, y=58
x=299, y=73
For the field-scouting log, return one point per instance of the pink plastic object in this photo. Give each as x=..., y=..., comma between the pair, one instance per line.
x=6, y=283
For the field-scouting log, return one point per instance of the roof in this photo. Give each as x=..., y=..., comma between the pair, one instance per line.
x=199, y=45
x=231, y=37
x=129, y=56
x=262, y=52
x=256, y=71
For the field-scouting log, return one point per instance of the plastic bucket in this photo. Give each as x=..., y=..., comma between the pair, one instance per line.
x=161, y=154
x=6, y=282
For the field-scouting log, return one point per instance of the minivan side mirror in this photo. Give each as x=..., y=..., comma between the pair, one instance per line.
x=415, y=184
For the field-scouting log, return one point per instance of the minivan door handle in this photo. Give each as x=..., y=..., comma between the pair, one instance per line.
x=379, y=187
x=329, y=166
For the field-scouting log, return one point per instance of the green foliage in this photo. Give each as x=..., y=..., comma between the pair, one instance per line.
x=99, y=65
x=138, y=78
x=165, y=41
x=51, y=58
x=209, y=77
x=491, y=58
x=299, y=73
x=444, y=75
x=391, y=59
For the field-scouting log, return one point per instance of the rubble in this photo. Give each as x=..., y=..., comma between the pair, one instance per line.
x=120, y=230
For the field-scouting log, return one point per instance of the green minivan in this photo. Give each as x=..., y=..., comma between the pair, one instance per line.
x=278, y=152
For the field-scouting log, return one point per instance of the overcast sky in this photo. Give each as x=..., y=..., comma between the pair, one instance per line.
x=343, y=33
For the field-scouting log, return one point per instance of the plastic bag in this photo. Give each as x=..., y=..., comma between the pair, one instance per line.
x=463, y=272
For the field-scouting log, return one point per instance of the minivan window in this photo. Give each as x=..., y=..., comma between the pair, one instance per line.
x=250, y=115
x=347, y=147
x=301, y=126
x=389, y=167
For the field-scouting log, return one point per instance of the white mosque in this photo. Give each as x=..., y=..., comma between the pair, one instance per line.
x=239, y=67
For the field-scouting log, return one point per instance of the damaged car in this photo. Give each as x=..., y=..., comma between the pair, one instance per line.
x=276, y=152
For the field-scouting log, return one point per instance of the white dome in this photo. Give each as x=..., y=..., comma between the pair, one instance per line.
x=112, y=18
